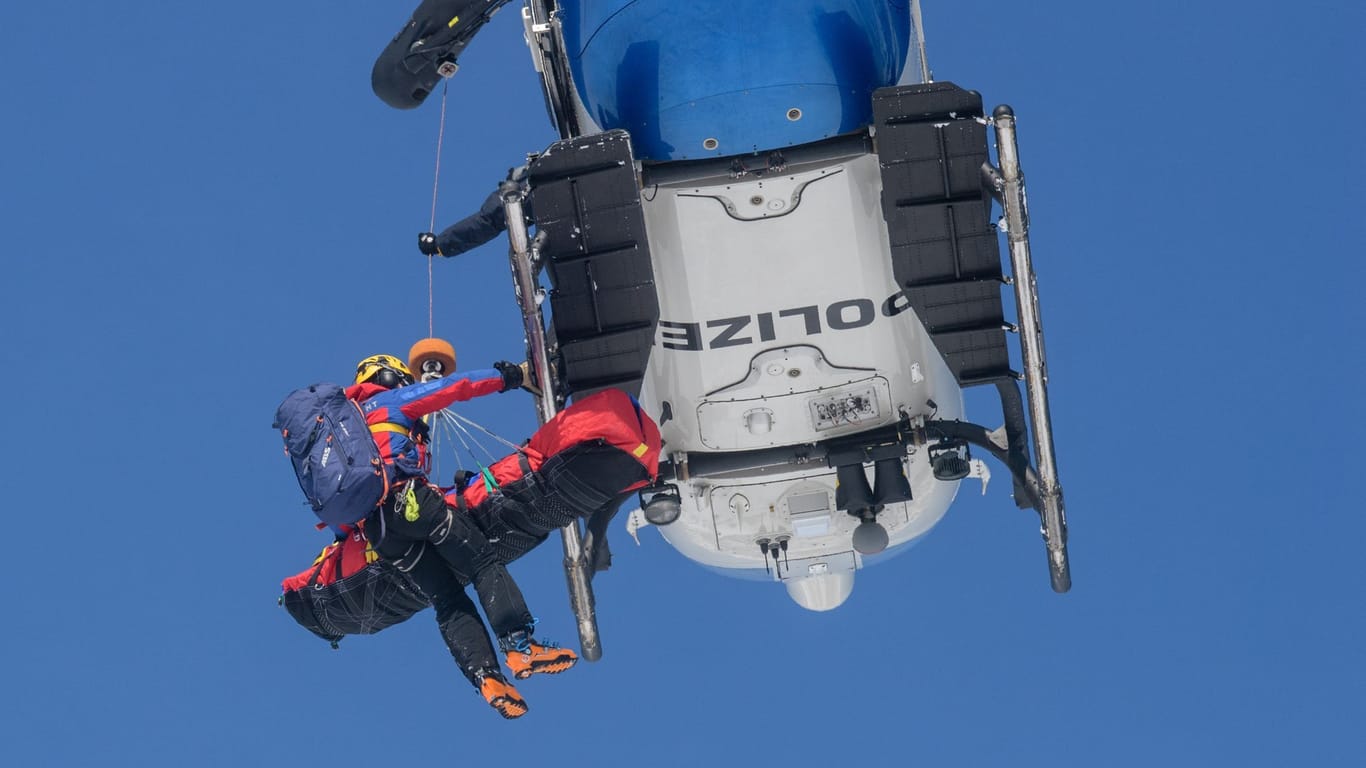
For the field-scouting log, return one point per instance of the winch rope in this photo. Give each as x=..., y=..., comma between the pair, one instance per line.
x=431, y=227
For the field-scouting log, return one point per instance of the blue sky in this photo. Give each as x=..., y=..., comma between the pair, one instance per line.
x=185, y=188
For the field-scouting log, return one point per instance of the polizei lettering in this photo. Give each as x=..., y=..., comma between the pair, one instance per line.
x=810, y=320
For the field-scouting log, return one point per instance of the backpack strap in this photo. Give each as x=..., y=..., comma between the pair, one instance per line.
x=421, y=430
x=318, y=566
x=341, y=560
x=530, y=481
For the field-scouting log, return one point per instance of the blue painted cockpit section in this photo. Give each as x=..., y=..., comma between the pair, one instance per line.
x=704, y=78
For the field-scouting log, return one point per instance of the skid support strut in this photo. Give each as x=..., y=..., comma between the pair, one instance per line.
x=523, y=259
x=1010, y=186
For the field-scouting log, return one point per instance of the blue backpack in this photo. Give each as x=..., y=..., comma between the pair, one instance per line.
x=334, y=455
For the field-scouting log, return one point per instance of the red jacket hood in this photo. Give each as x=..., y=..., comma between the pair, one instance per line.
x=362, y=392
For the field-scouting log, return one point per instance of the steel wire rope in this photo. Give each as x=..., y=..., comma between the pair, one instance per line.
x=454, y=427
x=444, y=435
x=459, y=423
x=439, y=435
x=431, y=226
x=481, y=428
x=450, y=427
x=437, y=441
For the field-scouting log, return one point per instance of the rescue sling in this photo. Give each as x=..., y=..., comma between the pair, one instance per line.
x=348, y=590
x=582, y=463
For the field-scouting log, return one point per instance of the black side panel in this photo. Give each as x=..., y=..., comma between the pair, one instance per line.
x=604, y=310
x=945, y=252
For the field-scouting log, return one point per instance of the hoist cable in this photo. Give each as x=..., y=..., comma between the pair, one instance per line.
x=431, y=226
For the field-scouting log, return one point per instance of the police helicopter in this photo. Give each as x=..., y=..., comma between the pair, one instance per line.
x=767, y=222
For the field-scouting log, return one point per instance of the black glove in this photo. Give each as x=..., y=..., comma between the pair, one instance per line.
x=426, y=242
x=512, y=374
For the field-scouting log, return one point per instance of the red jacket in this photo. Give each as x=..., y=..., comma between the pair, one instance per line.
x=393, y=415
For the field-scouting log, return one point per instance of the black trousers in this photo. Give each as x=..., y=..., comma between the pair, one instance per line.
x=443, y=551
x=583, y=481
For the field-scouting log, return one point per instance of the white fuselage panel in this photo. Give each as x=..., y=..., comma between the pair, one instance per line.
x=781, y=324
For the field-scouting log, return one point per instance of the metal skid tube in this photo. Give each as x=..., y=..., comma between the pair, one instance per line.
x=524, y=278
x=1012, y=195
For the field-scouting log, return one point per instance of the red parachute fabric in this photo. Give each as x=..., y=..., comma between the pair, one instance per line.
x=611, y=416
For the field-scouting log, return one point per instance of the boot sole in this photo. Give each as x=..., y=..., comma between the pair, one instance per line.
x=545, y=668
x=508, y=708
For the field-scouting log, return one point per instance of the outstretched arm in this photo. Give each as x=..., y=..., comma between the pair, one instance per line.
x=474, y=230
x=418, y=400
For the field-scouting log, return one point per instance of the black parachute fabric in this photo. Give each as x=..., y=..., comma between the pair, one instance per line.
x=426, y=48
x=349, y=591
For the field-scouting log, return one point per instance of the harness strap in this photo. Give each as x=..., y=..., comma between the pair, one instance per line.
x=530, y=481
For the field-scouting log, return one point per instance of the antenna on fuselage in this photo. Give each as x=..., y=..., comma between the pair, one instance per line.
x=918, y=29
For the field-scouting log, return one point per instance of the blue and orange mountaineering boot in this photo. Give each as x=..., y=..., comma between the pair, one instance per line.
x=528, y=657
x=500, y=694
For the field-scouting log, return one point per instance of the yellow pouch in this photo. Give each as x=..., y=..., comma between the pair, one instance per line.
x=410, y=505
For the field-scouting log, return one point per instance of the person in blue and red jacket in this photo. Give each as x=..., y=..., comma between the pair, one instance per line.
x=437, y=546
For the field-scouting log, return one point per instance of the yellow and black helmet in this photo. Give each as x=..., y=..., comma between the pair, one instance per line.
x=385, y=370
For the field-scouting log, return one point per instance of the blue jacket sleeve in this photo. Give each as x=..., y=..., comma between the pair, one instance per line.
x=418, y=400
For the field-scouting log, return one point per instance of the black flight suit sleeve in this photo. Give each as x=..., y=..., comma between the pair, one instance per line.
x=479, y=228
x=474, y=230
